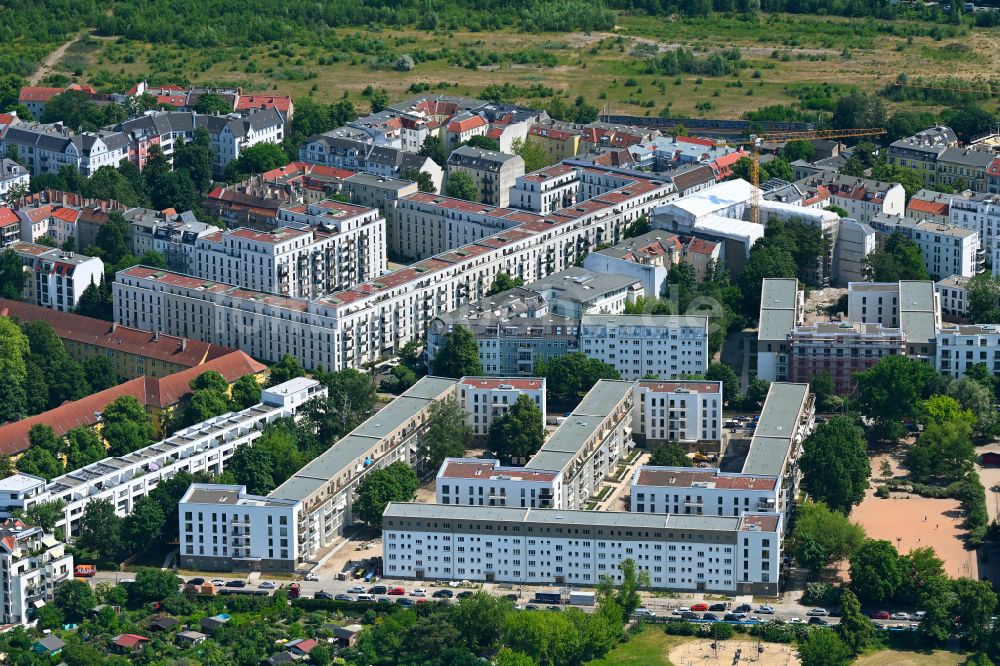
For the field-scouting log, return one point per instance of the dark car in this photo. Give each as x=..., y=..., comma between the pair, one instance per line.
x=378, y=589
x=343, y=597
x=323, y=595
x=835, y=612
x=513, y=596
x=734, y=617
x=443, y=594
x=689, y=615
x=236, y=583
x=711, y=617
x=405, y=601
x=743, y=608
x=554, y=608
x=465, y=594
x=196, y=581
x=532, y=607
x=717, y=607
x=818, y=621
x=384, y=600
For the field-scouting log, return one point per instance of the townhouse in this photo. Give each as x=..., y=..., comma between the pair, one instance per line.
x=349, y=148
x=173, y=235
x=688, y=412
x=204, y=447
x=14, y=177
x=965, y=168
x=48, y=148
x=355, y=326
x=57, y=278
x=664, y=346
x=36, y=98
x=55, y=222
x=493, y=173
x=921, y=151
x=946, y=249
x=485, y=399
x=930, y=206
x=862, y=198
x=32, y=564
x=558, y=142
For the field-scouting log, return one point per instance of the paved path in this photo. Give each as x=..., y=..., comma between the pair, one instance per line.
x=50, y=61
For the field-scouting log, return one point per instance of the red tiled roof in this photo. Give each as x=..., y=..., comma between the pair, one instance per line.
x=550, y=133
x=67, y=214
x=169, y=390
x=8, y=216
x=279, y=102
x=930, y=207
x=697, y=140
x=495, y=133
x=38, y=94
x=519, y=383
x=171, y=100
x=992, y=170
x=7, y=118
x=303, y=644
x=130, y=641
x=484, y=470
x=458, y=126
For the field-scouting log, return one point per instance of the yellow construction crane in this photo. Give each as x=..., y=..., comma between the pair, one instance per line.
x=756, y=140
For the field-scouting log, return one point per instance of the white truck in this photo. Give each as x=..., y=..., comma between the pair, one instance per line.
x=581, y=598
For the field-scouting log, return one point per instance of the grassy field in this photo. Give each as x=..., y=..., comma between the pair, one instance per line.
x=898, y=658
x=782, y=53
x=649, y=648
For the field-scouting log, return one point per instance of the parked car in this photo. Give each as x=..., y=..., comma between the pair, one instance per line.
x=532, y=607
x=236, y=583
x=366, y=597
x=919, y=615
x=796, y=620
x=322, y=595
x=356, y=589
x=312, y=577
x=443, y=594
x=196, y=581
x=818, y=612
x=733, y=617
x=267, y=585
x=680, y=611
x=743, y=608
x=218, y=582
x=343, y=597
x=900, y=616
x=701, y=606
x=690, y=615
x=384, y=600
x=717, y=607
x=765, y=610
x=878, y=625
x=711, y=617
x=419, y=592
x=404, y=601
x=836, y=612
x=396, y=591
x=642, y=611
x=378, y=589
x=815, y=619
x=880, y=615
x=465, y=594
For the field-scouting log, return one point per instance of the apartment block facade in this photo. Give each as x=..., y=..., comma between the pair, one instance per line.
x=32, y=564
x=485, y=399
x=56, y=278
x=686, y=412
x=637, y=346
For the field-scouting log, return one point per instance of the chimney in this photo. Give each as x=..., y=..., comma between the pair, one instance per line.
x=184, y=344
x=114, y=326
x=156, y=336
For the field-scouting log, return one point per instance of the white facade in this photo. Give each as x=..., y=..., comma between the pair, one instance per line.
x=959, y=347
x=204, y=447
x=48, y=148
x=637, y=346
x=56, y=279
x=873, y=303
x=703, y=492
x=487, y=398
x=546, y=190
x=862, y=198
x=558, y=546
x=224, y=528
x=479, y=482
x=946, y=249
x=980, y=213
x=954, y=296
x=12, y=175
x=32, y=564
x=678, y=411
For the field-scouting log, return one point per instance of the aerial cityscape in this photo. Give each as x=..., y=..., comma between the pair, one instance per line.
x=515, y=332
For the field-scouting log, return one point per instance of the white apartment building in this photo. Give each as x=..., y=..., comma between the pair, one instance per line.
x=703, y=492
x=724, y=554
x=204, y=447
x=781, y=310
x=590, y=442
x=326, y=247
x=873, y=303
x=687, y=412
x=547, y=190
x=56, y=279
x=355, y=326
x=980, y=213
x=946, y=249
x=961, y=346
x=48, y=148
x=12, y=175
x=478, y=482
x=52, y=221
x=953, y=295
x=32, y=564
x=223, y=528
x=487, y=398
x=667, y=346
x=862, y=198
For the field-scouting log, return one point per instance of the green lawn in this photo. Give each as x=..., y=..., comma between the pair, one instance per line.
x=900, y=658
x=649, y=648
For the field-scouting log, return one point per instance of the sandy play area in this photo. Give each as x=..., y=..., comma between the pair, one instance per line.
x=910, y=521
x=702, y=653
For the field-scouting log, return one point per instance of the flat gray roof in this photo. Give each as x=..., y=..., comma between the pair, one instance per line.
x=610, y=519
x=917, y=317
x=668, y=321
x=778, y=298
x=772, y=440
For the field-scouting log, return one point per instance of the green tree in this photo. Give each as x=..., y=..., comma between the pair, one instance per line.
x=126, y=426
x=858, y=109
x=75, y=599
x=519, y=433
x=835, y=464
x=722, y=372
x=854, y=628
x=205, y=404
x=44, y=514
x=100, y=529
x=638, y=228
x=822, y=536
x=96, y=301
x=153, y=585
x=480, y=619
x=534, y=155
x=13, y=351
x=890, y=391
x=822, y=387
x=626, y=593
x=570, y=376
x=40, y=462
x=49, y=617
x=195, y=157
x=447, y=436
x=764, y=262
x=459, y=355
x=670, y=455
x=44, y=437
x=756, y=394
x=433, y=147
x=395, y=483
x=937, y=599
x=800, y=149
x=83, y=447
x=977, y=400
x=284, y=370
x=258, y=158
x=12, y=275
x=252, y=466
x=943, y=451
x=920, y=567
x=983, y=297
x=100, y=372
x=246, y=392
x=823, y=647
x=876, y=572
x=483, y=142
x=899, y=259
x=461, y=186
x=144, y=526
x=503, y=282
x=212, y=103
x=424, y=181
x=975, y=604
x=112, y=238
x=379, y=100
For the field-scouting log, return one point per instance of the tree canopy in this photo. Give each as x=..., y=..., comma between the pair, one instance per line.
x=835, y=465
x=570, y=376
x=461, y=186
x=395, y=483
x=448, y=435
x=821, y=536
x=519, y=433
x=458, y=356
